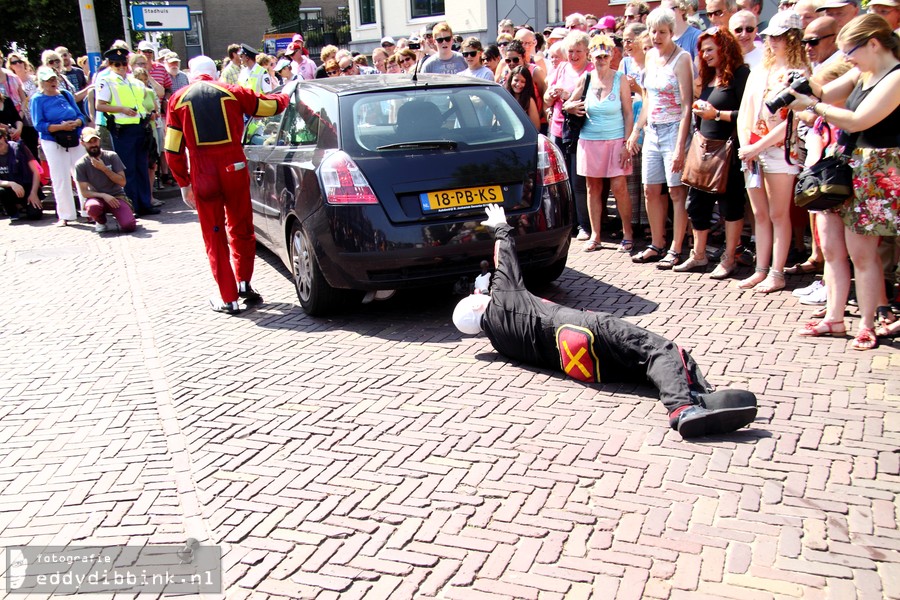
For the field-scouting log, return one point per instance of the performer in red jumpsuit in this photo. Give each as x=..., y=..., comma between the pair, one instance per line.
x=204, y=126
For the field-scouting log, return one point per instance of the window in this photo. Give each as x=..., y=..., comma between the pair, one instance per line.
x=467, y=117
x=427, y=8
x=263, y=131
x=366, y=12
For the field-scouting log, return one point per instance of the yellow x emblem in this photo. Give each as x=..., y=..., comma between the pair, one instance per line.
x=575, y=361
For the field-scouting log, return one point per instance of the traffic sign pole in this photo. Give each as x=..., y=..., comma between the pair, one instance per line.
x=91, y=36
x=125, y=24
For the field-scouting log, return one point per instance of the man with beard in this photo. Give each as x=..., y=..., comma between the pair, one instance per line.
x=100, y=175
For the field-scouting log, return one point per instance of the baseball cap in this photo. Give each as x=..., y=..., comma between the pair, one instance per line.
x=145, y=45
x=837, y=4
x=163, y=52
x=89, y=133
x=172, y=57
x=782, y=22
x=891, y=3
x=292, y=48
x=388, y=40
x=282, y=64
x=607, y=22
x=45, y=73
x=558, y=33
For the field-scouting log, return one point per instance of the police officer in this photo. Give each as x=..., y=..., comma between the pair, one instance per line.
x=595, y=347
x=205, y=121
x=254, y=76
x=121, y=97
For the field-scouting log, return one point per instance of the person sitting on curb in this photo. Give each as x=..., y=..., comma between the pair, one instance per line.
x=20, y=179
x=594, y=347
x=101, y=179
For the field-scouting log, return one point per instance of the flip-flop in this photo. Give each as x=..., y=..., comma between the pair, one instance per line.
x=804, y=268
x=591, y=246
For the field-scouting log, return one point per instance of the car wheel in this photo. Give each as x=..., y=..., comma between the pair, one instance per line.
x=315, y=295
x=542, y=276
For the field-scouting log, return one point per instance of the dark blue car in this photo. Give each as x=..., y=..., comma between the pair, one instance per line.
x=377, y=182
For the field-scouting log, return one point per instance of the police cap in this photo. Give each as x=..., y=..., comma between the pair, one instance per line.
x=249, y=51
x=116, y=55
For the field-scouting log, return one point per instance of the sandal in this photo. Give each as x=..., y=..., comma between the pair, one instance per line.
x=759, y=275
x=772, y=283
x=820, y=314
x=626, y=246
x=671, y=259
x=804, y=268
x=591, y=246
x=724, y=269
x=644, y=257
x=823, y=328
x=887, y=325
x=865, y=339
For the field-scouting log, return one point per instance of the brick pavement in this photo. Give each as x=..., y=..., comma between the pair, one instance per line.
x=377, y=454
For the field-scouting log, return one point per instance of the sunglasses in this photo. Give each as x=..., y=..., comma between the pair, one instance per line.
x=442, y=40
x=740, y=30
x=406, y=59
x=503, y=44
x=470, y=53
x=331, y=73
x=55, y=60
x=716, y=13
x=117, y=64
x=813, y=42
x=16, y=62
x=347, y=69
x=601, y=55
x=386, y=45
x=856, y=47
x=632, y=17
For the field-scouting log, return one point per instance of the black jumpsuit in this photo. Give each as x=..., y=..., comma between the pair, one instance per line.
x=588, y=346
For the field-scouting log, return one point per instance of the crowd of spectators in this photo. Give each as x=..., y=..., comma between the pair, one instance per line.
x=644, y=81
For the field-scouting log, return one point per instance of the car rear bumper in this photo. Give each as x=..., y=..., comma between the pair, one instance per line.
x=380, y=255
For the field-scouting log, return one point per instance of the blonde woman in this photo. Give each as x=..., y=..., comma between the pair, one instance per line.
x=762, y=136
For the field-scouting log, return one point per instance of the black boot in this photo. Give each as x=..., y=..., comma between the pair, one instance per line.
x=715, y=413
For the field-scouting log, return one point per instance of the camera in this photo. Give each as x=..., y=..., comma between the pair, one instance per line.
x=414, y=44
x=796, y=83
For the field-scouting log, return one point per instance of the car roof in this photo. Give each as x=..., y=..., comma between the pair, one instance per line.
x=361, y=84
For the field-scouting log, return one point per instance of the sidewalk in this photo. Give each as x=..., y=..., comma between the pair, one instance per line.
x=377, y=454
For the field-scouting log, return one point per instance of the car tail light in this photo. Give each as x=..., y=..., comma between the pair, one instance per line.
x=551, y=164
x=343, y=182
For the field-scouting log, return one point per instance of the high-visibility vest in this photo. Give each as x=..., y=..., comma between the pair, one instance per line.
x=129, y=93
x=254, y=80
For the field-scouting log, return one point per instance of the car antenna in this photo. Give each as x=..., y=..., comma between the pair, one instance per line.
x=415, y=78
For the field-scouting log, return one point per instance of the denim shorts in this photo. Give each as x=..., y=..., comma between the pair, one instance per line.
x=659, y=154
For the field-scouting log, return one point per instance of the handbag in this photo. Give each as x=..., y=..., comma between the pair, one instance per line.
x=826, y=184
x=708, y=163
x=66, y=139
x=572, y=124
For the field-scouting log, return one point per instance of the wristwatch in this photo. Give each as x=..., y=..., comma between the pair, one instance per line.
x=718, y=115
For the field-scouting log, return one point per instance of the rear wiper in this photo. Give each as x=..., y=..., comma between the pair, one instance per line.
x=444, y=144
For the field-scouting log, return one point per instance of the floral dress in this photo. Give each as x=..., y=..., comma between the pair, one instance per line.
x=874, y=208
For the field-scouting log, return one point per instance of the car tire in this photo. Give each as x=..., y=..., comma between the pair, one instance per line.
x=316, y=296
x=543, y=276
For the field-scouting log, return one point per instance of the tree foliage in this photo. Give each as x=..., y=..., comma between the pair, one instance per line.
x=35, y=25
x=282, y=11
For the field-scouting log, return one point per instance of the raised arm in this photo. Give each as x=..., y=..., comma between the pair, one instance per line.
x=507, y=273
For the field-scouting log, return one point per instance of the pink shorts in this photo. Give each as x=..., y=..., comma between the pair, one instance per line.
x=601, y=158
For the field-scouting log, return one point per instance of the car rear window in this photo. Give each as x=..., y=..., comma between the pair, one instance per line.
x=467, y=116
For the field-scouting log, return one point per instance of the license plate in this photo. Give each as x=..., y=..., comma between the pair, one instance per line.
x=460, y=198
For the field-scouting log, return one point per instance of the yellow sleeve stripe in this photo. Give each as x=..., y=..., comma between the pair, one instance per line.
x=173, y=141
x=266, y=108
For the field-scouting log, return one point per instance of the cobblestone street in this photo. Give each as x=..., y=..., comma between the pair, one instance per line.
x=379, y=454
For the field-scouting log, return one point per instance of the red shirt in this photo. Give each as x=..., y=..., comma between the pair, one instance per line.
x=159, y=73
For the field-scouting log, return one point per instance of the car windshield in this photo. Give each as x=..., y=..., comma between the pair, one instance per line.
x=466, y=116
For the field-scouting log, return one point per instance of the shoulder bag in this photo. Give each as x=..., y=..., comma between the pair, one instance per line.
x=68, y=139
x=572, y=124
x=708, y=163
x=828, y=183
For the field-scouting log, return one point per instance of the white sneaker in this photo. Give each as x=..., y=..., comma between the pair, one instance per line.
x=806, y=291
x=582, y=235
x=100, y=228
x=817, y=298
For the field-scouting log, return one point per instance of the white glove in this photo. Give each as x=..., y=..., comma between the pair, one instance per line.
x=187, y=195
x=496, y=216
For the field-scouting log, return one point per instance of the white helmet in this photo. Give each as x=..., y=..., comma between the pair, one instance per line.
x=467, y=314
x=202, y=65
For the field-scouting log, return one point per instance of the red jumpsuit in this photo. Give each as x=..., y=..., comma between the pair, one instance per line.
x=206, y=119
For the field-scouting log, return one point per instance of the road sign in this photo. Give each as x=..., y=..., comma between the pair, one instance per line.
x=157, y=17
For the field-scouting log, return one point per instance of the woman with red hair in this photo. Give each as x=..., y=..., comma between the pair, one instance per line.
x=723, y=77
